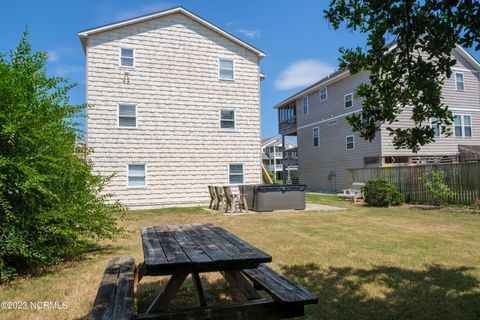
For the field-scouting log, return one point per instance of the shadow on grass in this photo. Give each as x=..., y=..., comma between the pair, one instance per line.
x=216, y=292
x=389, y=293
x=87, y=253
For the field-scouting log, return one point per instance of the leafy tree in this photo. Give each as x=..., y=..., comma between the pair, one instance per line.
x=412, y=71
x=50, y=202
x=434, y=183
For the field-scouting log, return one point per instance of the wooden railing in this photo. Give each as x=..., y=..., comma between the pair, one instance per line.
x=287, y=125
x=462, y=178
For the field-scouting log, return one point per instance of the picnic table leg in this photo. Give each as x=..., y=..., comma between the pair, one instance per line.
x=168, y=292
x=199, y=288
x=139, y=273
x=237, y=280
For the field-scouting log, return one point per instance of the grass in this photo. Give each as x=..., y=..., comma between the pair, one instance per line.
x=363, y=263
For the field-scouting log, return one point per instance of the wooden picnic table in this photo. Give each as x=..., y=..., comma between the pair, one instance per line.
x=180, y=250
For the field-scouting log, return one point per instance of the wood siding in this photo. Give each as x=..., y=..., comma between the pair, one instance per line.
x=178, y=95
x=465, y=102
x=316, y=163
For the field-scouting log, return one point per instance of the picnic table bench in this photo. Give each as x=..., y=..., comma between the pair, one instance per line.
x=180, y=250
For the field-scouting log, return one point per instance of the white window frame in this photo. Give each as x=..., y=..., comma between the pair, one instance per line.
x=220, y=119
x=120, y=57
x=233, y=66
x=439, y=129
x=118, y=115
x=345, y=100
x=320, y=93
x=318, y=137
x=353, y=142
x=305, y=106
x=236, y=174
x=462, y=125
x=463, y=81
x=128, y=175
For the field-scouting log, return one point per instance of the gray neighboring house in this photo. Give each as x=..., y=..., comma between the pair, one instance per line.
x=175, y=106
x=327, y=146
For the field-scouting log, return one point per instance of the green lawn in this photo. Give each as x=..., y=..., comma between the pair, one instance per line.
x=363, y=263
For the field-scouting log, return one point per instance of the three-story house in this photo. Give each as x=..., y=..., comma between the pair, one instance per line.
x=327, y=146
x=174, y=106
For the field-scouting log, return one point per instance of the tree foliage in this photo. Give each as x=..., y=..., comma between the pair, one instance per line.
x=412, y=71
x=382, y=193
x=434, y=183
x=50, y=202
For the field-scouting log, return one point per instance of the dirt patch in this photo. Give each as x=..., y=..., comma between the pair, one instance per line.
x=429, y=207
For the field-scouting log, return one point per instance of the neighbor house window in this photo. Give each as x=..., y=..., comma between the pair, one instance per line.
x=127, y=58
x=463, y=126
x=227, y=119
x=235, y=173
x=348, y=100
x=305, y=104
x=316, y=137
x=127, y=116
x=226, y=69
x=350, y=142
x=137, y=176
x=459, y=84
x=435, y=126
x=323, y=94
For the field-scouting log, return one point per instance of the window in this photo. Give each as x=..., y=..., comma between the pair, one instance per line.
x=316, y=137
x=305, y=104
x=235, y=173
x=435, y=126
x=127, y=116
x=137, y=177
x=227, y=119
x=226, y=69
x=323, y=94
x=459, y=84
x=350, y=141
x=127, y=58
x=349, y=100
x=462, y=126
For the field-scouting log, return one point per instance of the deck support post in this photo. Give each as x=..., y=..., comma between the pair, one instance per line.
x=283, y=160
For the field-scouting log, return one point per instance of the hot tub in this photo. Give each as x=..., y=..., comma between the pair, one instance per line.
x=269, y=197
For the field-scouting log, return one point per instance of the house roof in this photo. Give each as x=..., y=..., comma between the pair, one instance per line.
x=277, y=140
x=85, y=33
x=343, y=73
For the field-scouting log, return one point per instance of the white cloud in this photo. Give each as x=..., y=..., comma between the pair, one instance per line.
x=250, y=33
x=302, y=73
x=65, y=70
x=233, y=22
x=146, y=9
x=54, y=55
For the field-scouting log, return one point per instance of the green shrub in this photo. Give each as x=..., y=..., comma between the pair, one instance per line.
x=382, y=193
x=434, y=183
x=50, y=202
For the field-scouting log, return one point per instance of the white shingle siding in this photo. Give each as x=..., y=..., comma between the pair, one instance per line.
x=178, y=95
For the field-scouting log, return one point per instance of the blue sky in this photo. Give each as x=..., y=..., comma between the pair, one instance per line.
x=301, y=47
